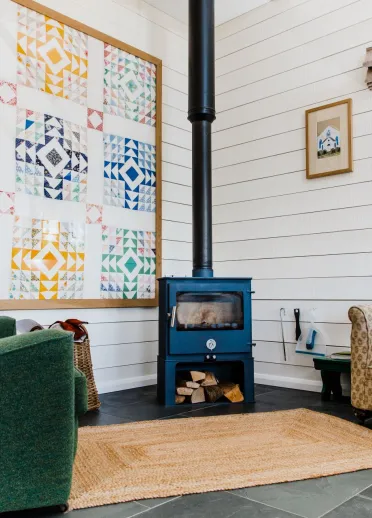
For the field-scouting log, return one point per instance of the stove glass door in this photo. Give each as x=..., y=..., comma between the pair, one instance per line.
x=220, y=311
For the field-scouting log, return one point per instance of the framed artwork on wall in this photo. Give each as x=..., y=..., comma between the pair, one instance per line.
x=80, y=186
x=329, y=139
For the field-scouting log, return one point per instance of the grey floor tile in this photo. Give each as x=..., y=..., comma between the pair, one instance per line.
x=219, y=505
x=310, y=498
x=126, y=510
x=101, y=418
x=355, y=508
x=261, y=389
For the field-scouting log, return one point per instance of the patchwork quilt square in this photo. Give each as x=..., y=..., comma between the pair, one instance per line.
x=52, y=57
x=8, y=93
x=129, y=88
x=47, y=260
x=7, y=202
x=93, y=214
x=129, y=173
x=128, y=264
x=51, y=157
x=95, y=119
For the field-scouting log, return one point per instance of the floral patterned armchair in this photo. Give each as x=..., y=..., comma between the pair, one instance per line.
x=361, y=361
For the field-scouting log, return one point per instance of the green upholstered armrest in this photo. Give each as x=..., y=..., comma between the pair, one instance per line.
x=81, y=393
x=7, y=327
x=37, y=419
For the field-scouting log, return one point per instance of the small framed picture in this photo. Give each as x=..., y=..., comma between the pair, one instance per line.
x=329, y=139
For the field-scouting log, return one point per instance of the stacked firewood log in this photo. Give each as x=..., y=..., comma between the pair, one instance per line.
x=200, y=387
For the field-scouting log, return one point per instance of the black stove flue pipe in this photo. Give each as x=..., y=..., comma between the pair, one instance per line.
x=201, y=114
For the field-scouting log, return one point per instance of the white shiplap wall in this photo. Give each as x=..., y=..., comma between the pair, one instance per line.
x=124, y=341
x=308, y=244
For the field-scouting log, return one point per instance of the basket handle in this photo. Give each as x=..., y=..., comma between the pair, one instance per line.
x=74, y=325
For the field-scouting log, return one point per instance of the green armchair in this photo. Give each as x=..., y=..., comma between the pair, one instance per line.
x=41, y=397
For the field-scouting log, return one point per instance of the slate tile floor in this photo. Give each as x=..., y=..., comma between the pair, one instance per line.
x=342, y=496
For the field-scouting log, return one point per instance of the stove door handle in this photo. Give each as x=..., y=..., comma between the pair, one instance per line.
x=173, y=317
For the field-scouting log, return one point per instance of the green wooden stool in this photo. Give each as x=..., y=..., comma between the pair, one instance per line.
x=330, y=370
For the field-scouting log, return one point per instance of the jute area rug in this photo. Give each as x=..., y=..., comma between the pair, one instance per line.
x=152, y=459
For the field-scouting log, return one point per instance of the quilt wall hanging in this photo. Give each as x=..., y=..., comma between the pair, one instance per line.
x=80, y=179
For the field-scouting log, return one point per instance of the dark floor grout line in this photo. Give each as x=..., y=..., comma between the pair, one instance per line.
x=264, y=503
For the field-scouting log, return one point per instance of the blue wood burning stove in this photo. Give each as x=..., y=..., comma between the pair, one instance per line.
x=204, y=322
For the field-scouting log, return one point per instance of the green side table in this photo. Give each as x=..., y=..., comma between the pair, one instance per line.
x=330, y=370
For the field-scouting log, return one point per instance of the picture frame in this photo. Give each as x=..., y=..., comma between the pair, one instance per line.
x=106, y=215
x=329, y=139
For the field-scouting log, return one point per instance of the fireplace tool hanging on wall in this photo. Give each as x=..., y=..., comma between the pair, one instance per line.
x=205, y=323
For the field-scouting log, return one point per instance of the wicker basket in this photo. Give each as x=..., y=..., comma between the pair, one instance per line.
x=83, y=362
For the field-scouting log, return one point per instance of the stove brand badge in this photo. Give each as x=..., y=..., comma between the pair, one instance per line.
x=211, y=344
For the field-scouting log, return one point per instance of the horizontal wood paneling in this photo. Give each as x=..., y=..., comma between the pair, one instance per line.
x=334, y=33
x=177, y=250
x=175, y=98
x=318, y=92
x=177, y=193
x=124, y=354
x=123, y=377
x=353, y=195
x=336, y=243
x=296, y=182
x=177, y=268
x=312, y=288
x=321, y=266
x=330, y=66
x=154, y=15
x=175, y=79
x=177, y=231
x=176, y=136
x=176, y=174
x=320, y=310
x=291, y=376
x=255, y=17
x=123, y=332
x=354, y=218
x=175, y=117
x=240, y=43
x=337, y=335
x=176, y=212
x=286, y=122
x=93, y=316
x=273, y=352
x=176, y=155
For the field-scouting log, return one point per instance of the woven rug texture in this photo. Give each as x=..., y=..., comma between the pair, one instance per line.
x=151, y=459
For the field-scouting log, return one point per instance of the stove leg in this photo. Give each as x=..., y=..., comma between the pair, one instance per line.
x=248, y=381
x=166, y=382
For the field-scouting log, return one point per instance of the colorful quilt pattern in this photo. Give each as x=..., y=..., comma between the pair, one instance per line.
x=129, y=86
x=47, y=260
x=51, y=157
x=128, y=264
x=129, y=173
x=67, y=100
x=52, y=57
x=7, y=202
